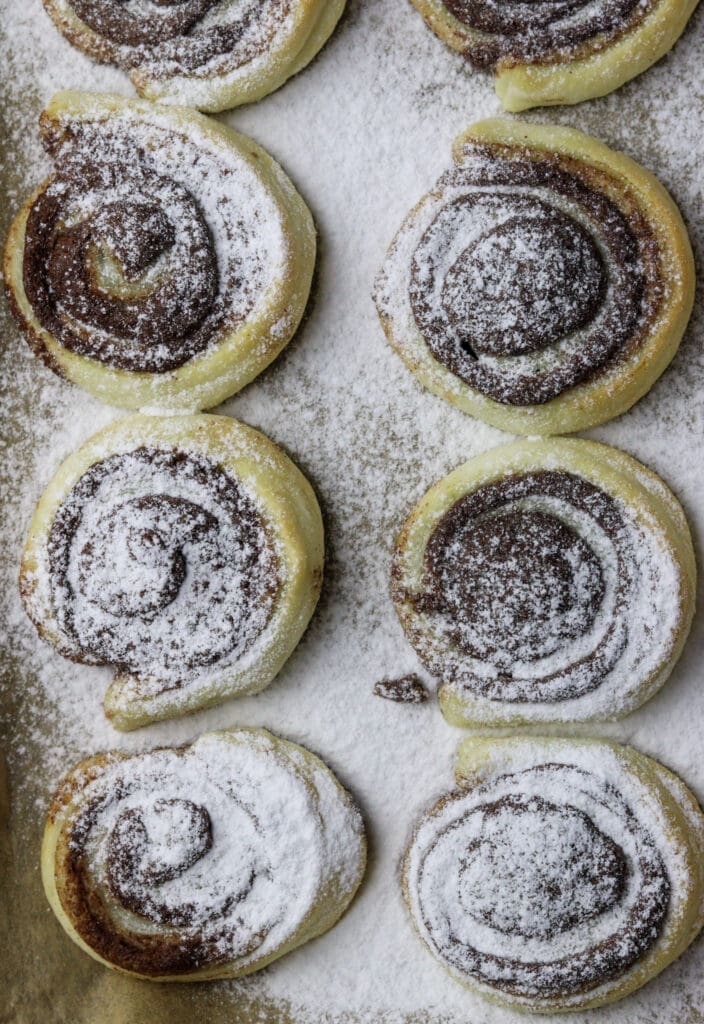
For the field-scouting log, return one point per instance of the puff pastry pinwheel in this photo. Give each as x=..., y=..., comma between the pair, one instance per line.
x=205, y=861
x=209, y=54
x=166, y=261
x=547, y=580
x=562, y=875
x=186, y=552
x=558, y=51
x=543, y=285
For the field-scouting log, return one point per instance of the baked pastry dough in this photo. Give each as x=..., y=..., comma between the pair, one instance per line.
x=166, y=261
x=563, y=875
x=543, y=285
x=185, y=551
x=548, y=580
x=556, y=51
x=205, y=861
x=209, y=54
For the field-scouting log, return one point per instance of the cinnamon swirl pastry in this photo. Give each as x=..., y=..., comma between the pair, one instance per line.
x=558, y=51
x=543, y=285
x=186, y=552
x=209, y=54
x=166, y=261
x=563, y=875
x=205, y=861
x=546, y=581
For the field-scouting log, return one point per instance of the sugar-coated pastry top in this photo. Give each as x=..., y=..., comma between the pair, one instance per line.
x=561, y=876
x=214, y=857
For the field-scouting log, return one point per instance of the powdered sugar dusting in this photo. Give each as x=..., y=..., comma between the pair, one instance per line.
x=543, y=597
x=229, y=841
x=552, y=877
x=363, y=133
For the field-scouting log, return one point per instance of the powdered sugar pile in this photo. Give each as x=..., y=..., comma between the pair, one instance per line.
x=364, y=133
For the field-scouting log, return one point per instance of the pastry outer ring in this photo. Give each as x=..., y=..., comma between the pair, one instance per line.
x=648, y=498
x=481, y=758
x=613, y=391
x=239, y=355
x=291, y=515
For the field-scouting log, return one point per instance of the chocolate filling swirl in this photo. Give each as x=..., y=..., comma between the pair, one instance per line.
x=541, y=883
x=142, y=252
x=543, y=30
x=160, y=565
x=217, y=854
x=530, y=581
x=193, y=37
x=528, y=280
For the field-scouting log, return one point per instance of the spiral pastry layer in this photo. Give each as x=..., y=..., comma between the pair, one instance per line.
x=165, y=263
x=208, y=54
x=546, y=581
x=205, y=861
x=558, y=51
x=543, y=285
x=185, y=552
x=563, y=875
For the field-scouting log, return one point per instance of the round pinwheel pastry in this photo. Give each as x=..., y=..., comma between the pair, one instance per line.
x=546, y=581
x=185, y=552
x=543, y=285
x=166, y=261
x=209, y=54
x=558, y=51
x=562, y=875
x=205, y=861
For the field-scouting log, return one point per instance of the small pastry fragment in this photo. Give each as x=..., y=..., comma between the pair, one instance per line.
x=186, y=552
x=548, y=580
x=167, y=260
x=208, y=54
x=563, y=874
x=408, y=689
x=205, y=861
x=543, y=285
x=549, y=52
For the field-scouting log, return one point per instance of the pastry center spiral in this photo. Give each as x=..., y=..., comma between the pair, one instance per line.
x=524, y=279
x=140, y=23
x=145, y=249
x=532, y=853
x=525, y=582
x=151, y=539
x=523, y=285
x=149, y=847
x=161, y=565
x=529, y=580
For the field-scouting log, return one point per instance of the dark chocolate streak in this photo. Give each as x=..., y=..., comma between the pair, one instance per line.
x=598, y=865
x=516, y=585
x=539, y=276
x=156, y=531
x=535, y=30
